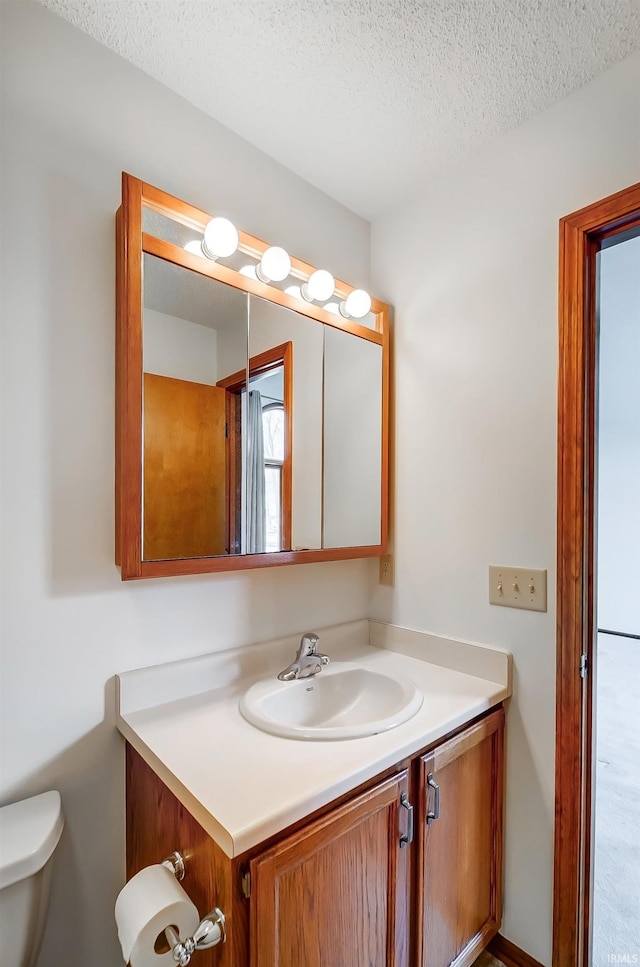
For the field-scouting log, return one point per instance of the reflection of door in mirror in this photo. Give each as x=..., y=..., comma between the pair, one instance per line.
x=194, y=332
x=270, y=324
x=184, y=447
x=267, y=455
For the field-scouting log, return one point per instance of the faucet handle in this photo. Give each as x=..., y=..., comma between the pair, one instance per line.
x=308, y=644
x=309, y=648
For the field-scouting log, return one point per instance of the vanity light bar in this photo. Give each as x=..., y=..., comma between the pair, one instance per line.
x=221, y=241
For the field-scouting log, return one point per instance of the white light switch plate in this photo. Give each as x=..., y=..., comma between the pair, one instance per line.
x=518, y=587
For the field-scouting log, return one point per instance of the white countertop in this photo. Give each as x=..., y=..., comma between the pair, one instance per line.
x=243, y=785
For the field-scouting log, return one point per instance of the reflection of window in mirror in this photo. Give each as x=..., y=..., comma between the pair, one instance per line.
x=267, y=457
x=268, y=390
x=273, y=433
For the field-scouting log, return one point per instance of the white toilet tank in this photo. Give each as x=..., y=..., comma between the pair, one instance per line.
x=29, y=834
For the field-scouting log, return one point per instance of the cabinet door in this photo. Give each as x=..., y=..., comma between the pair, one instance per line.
x=335, y=894
x=460, y=845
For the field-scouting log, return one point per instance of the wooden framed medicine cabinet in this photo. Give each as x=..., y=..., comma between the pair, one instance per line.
x=228, y=456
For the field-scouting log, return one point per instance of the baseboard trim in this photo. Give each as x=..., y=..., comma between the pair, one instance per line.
x=510, y=954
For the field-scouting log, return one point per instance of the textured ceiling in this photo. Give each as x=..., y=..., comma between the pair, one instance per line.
x=365, y=98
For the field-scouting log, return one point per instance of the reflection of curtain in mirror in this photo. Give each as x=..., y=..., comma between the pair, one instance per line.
x=255, y=477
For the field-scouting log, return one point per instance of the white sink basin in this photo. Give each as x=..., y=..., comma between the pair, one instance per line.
x=343, y=701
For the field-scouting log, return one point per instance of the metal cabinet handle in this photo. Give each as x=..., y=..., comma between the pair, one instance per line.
x=434, y=813
x=407, y=837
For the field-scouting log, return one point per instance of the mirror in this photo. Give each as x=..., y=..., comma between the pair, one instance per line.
x=194, y=335
x=352, y=421
x=251, y=424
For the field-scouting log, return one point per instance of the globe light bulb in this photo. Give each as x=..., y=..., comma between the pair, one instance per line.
x=356, y=305
x=274, y=266
x=320, y=286
x=220, y=239
x=293, y=290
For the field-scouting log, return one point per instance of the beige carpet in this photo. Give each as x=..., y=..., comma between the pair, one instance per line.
x=616, y=902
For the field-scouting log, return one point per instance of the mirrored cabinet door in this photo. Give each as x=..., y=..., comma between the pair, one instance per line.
x=194, y=337
x=352, y=440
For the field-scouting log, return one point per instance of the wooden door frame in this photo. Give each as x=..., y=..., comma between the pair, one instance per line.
x=281, y=355
x=581, y=237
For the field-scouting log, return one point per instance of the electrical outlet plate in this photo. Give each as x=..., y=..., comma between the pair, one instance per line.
x=518, y=587
x=386, y=571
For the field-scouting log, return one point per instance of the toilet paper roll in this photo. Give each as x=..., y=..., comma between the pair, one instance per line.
x=152, y=900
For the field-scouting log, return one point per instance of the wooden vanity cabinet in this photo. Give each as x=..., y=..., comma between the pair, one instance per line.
x=336, y=893
x=347, y=887
x=459, y=845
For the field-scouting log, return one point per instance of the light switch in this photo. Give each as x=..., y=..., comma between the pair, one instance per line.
x=518, y=587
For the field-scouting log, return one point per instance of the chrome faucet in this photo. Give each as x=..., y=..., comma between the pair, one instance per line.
x=308, y=661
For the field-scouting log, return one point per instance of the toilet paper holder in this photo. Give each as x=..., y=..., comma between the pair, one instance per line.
x=210, y=931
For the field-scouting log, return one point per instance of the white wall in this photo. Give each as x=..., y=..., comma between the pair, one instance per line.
x=619, y=439
x=75, y=116
x=178, y=348
x=470, y=264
